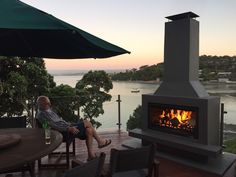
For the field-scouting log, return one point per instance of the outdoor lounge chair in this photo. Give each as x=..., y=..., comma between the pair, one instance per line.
x=133, y=162
x=68, y=141
x=92, y=168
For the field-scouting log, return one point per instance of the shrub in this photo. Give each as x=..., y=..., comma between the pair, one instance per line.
x=134, y=120
x=230, y=146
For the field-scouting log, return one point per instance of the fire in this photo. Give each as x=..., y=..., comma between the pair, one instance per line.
x=183, y=121
x=182, y=115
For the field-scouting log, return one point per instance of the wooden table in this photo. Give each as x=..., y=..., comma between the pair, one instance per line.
x=29, y=145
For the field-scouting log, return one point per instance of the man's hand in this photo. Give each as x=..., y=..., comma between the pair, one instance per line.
x=73, y=130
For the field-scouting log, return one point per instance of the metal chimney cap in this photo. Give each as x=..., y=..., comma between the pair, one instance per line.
x=182, y=16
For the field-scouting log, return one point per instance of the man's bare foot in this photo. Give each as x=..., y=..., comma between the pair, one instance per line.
x=92, y=157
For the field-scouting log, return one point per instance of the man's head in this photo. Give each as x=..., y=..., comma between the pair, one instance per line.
x=43, y=103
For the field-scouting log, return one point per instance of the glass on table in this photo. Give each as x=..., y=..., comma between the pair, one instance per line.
x=47, y=132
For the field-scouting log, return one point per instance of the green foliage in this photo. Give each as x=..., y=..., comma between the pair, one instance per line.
x=63, y=101
x=207, y=75
x=134, y=120
x=230, y=146
x=92, y=91
x=217, y=63
x=62, y=90
x=210, y=66
x=233, y=76
x=22, y=80
x=144, y=73
x=14, y=93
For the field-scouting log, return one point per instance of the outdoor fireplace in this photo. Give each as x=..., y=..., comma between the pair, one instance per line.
x=181, y=115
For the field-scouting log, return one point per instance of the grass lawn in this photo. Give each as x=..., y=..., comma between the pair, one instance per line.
x=230, y=146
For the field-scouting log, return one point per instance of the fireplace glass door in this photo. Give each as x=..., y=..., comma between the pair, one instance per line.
x=175, y=119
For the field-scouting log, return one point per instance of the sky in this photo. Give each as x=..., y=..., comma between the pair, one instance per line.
x=138, y=26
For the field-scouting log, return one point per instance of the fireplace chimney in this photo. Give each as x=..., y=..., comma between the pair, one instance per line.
x=181, y=58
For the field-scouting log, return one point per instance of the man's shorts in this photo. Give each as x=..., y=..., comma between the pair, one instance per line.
x=82, y=130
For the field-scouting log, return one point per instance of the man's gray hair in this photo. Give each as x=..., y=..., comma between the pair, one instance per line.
x=41, y=101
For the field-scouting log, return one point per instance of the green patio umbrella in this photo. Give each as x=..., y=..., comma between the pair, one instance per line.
x=29, y=32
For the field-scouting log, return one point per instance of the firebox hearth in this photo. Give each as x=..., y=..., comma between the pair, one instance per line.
x=176, y=119
x=187, y=124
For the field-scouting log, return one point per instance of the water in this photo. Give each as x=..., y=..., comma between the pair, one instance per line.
x=129, y=100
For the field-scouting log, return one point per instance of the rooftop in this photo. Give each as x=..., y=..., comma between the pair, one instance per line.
x=182, y=16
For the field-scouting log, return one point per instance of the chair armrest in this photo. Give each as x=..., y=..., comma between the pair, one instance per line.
x=76, y=162
x=156, y=162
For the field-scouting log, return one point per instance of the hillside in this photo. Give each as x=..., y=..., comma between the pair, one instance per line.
x=209, y=69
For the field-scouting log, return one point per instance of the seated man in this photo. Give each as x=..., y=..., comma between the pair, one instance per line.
x=82, y=130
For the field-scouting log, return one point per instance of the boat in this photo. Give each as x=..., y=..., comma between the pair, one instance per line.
x=135, y=91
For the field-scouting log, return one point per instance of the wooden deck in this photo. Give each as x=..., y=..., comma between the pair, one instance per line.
x=81, y=153
x=167, y=168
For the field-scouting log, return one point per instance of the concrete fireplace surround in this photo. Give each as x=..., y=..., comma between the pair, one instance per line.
x=181, y=87
x=207, y=143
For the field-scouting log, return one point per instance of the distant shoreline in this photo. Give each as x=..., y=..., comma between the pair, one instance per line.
x=205, y=83
x=159, y=82
x=231, y=127
x=78, y=72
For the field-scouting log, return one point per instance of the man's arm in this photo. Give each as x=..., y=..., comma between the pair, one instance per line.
x=54, y=121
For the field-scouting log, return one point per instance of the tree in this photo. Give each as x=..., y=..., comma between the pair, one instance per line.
x=92, y=91
x=134, y=120
x=145, y=73
x=13, y=95
x=64, y=101
x=233, y=76
x=22, y=80
x=14, y=87
x=39, y=81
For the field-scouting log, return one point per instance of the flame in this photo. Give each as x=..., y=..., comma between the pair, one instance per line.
x=182, y=115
